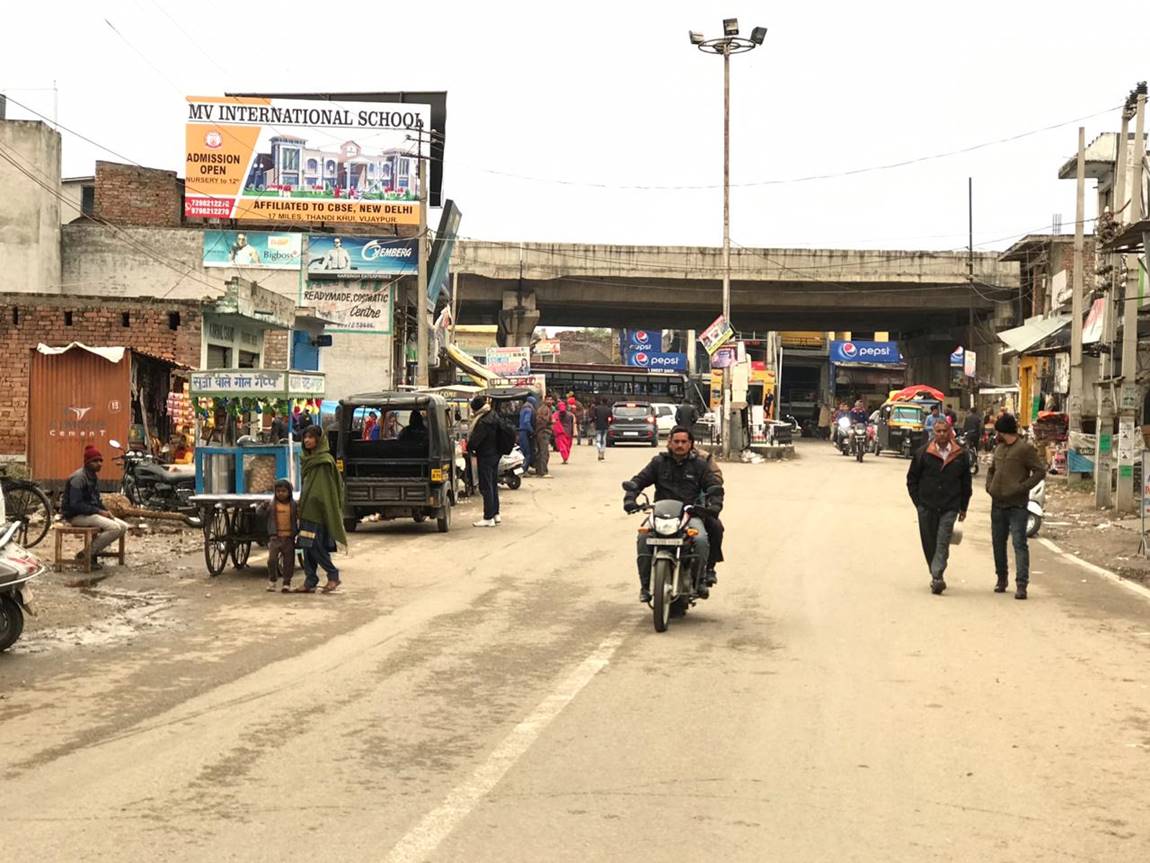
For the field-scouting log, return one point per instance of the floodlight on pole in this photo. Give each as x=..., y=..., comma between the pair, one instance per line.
x=696, y=38
x=758, y=35
x=730, y=26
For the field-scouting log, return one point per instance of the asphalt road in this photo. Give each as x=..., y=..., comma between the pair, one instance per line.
x=495, y=695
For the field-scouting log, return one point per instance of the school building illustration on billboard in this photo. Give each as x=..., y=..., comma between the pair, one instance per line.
x=293, y=167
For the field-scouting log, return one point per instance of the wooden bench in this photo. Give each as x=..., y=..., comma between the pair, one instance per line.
x=87, y=534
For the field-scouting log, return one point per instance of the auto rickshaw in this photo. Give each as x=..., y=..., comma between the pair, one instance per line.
x=397, y=457
x=901, y=428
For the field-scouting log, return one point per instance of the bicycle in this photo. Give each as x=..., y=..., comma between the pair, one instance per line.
x=26, y=504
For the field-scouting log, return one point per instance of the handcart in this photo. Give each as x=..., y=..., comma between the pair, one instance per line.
x=235, y=478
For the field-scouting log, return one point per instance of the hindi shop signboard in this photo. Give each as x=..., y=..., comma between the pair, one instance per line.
x=509, y=362
x=339, y=257
x=284, y=160
x=351, y=307
x=252, y=250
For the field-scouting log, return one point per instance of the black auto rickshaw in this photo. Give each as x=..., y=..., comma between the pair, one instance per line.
x=397, y=457
x=901, y=428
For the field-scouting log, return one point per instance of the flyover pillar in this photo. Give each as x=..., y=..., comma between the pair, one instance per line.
x=518, y=318
x=928, y=360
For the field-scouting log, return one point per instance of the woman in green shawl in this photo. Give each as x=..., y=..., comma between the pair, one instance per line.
x=320, y=511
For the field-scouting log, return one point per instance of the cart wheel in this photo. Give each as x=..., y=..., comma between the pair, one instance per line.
x=216, y=541
x=240, y=552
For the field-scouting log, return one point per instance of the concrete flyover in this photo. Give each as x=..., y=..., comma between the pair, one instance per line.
x=520, y=285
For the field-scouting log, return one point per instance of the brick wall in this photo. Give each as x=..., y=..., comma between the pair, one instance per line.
x=128, y=195
x=276, y=348
x=25, y=321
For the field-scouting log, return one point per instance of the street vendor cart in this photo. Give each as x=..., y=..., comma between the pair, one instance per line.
x=238, y=475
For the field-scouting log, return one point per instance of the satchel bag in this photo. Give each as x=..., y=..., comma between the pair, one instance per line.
x=308, y=533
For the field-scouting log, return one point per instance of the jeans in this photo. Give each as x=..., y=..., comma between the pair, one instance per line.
x=317, y=556
x=1004, y=521
x=601, y=440
x=525, y=444
x=645, y=552
x=111, y=529
x=935, y=528
x=542, y=451
x=489, y=485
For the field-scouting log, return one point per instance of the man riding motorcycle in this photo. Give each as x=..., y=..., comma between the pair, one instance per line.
x=684, y=474
x=858, y=413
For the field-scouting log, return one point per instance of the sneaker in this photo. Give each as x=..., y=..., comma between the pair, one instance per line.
x=644, y=595
x=271, y=588
x=1020, y=592
x=498, y=518
x=937, y=586
x=286, y=588
x=484, y=522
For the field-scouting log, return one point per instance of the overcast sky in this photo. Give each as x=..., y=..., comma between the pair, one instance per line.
x=604, y=95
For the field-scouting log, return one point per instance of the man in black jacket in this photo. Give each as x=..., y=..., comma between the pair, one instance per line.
x=939, y=484
x=681, y=474
x=84, y=508
x=483, y=443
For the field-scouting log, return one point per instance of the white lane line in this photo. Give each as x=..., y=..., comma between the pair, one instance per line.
x=437, y=824
x=1132, y=586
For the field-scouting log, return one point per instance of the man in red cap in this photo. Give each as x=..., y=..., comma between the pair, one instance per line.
x=83, y=507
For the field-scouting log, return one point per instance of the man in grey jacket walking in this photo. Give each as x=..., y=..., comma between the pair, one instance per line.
x=1016, y=469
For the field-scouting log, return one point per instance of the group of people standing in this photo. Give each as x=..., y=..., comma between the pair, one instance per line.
x=940, y=486
x=559, y=425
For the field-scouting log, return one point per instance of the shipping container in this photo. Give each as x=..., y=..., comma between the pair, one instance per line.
x=76, y=399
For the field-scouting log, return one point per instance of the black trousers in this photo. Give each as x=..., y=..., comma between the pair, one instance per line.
x=489, y=484
x=715, y=531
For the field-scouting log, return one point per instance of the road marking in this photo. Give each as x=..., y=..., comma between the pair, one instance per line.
x=436, y=825
x=1132, y=586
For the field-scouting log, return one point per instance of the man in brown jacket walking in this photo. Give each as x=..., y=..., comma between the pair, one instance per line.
x=543, y=436
x=1016, y=469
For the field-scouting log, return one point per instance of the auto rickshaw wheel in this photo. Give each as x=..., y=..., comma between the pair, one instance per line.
x=350, y=524
x=443, y=519
x=420, y=517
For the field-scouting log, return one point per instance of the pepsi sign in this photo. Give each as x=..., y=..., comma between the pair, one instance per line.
x=669, y=362
x=631, y=341
x=865, y=352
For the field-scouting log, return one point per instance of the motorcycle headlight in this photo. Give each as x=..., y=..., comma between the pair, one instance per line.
x=666, y=526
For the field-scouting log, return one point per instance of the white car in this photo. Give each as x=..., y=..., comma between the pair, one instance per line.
x=664, y=417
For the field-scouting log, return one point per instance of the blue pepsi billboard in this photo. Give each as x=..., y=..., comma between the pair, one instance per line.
x=657, y=360
x=631, y=341
x=865, y=352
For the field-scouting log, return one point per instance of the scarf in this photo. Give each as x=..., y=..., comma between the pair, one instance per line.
x=321, y=500
x=476, y=417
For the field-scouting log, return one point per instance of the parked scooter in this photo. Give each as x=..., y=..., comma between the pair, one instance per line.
x=17, y=568
x=511, y=468
x=150, y=485
x=1036, y=509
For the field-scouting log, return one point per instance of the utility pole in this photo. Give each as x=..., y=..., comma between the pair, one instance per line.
x=971, y=383
x=727, y=425
x=421, y=379
x=1128, y=401
x=1075, y=400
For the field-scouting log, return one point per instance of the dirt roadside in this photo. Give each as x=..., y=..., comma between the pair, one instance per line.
x=1079, y=527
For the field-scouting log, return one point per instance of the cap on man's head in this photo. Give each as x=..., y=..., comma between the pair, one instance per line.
x=1006, y=424
x=92, y=454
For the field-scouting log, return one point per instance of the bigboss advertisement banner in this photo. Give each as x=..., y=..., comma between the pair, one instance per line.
x=302, y=160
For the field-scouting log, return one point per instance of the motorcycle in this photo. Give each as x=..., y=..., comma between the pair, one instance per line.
x=150, y=485
x=511, y=468
x=858, y=440
x=677, y=572
x=843, y=435
x=17, y=568
x=970, y=443
x=1036, y=509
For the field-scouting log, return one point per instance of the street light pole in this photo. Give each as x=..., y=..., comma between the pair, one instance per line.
x=730, y=43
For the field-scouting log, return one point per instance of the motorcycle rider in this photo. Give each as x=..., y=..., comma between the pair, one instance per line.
x=681, y=473
x=858, y=413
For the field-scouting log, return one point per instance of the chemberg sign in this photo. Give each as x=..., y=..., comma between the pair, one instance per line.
x=302, y=160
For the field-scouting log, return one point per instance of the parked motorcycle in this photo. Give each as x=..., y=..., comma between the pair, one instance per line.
x=677, y=572
x=970, y=444
x=1036, y=509
x=151, y=485
x=17, y=568
x=511, y=468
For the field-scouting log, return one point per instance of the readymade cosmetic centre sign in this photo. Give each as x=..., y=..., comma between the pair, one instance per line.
x=286, y=160
x=351, y=307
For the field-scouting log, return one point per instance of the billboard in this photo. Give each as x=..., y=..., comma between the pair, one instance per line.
x=716, y=335
x=864, y=352
x=547, y=347
x=353, y=307
x=440, y=260
x=509, y=362
x=252, y=250
x=658, y=360
x=292, y=160
x=640, y=340
x=339, y=257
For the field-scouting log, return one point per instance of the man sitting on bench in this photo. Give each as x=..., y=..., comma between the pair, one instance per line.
x=83, y=507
